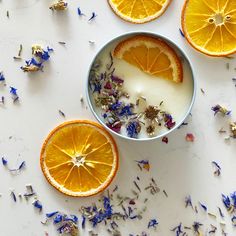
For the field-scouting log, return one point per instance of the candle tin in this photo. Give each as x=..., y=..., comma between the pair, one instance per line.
x=181, y=53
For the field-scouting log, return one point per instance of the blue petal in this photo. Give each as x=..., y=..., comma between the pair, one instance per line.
x=93, y=16
x=58, y=219
x=37, y=204
x=2, y=77
x=83, y=221
x=152, y=223
x=203, y=206
x=49, y=215
x=4, y=161
x=226, y=201
x=13, y=91
x=21, y=165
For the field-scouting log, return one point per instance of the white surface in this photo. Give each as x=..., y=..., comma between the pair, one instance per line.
x=180, y=168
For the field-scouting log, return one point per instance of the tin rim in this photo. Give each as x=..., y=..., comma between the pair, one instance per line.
x=186, y=58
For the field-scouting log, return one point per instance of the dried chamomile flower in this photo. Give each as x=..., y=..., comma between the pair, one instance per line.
x=151, y=113
x=233, y=129
x=60, y=5
x=150, y=130
x=219, y=109
x=39, y=52
x=32, y=66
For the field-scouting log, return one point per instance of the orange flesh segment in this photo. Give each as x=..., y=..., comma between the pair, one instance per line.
x=152, y=56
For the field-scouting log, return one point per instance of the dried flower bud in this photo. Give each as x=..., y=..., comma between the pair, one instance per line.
x=233, y=129
x=60, y=5
x=151, y=112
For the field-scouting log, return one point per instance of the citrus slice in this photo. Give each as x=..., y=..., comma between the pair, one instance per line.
x=151, y=55
x=79, y=158
x=139, y=11
x=210, y=26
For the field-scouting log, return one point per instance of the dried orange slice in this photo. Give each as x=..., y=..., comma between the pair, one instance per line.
x=210, y=26
x=139, y=11
x=79, y=158
x=151, y=55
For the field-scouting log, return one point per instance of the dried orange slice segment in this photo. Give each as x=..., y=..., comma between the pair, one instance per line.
x=151, y=55
x=79, y=158
x=210, y=26
x=139, y=11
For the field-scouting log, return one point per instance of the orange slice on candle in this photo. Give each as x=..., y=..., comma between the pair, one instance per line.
x=139, y=11
x=210, y=26
x=79, y=158
x=151, y=55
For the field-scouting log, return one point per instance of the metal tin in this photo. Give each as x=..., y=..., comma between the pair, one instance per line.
x=183, y=54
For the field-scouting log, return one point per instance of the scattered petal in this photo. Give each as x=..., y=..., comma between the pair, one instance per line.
x=93, y=16
x=37, y=204
x=204, y=207
x=189, y=137
x=4, y=161
x=182, y=33
x=152, y=223
x=219, y=109
x=165, y=140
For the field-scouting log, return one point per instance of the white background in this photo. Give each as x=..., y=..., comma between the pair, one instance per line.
x=179, y=167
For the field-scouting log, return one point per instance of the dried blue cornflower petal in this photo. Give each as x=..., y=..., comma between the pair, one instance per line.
x=80, y=13
x=182, y=33
x=93, y=16
x=97, y=88
x=133, y=128
x=83, y=221
x=115, y=106
x=13, y=91
x=37, y=204
x=204, y=207
x=221, y=213
x=127, y=111
x=2, y=77
x=233, y=219
x=152, y=223
x=13, y=196
x=39, y=52
x=233, y=197
x=32, y=66
x=4, y=161
x=178, y=230
x=60, y=5
x=219, y=109
x=73, y=218
x=188, y=201
x=21, y=166
x=2, y=99
x=226, y=201
x=196, y=227
x=49, y=215
x=58, y=218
